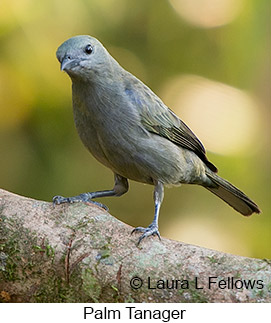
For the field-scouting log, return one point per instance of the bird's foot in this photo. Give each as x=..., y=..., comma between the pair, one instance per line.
x=84, y=197
x=152, y=229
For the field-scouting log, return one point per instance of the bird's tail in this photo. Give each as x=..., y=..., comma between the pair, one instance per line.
x=231, y=195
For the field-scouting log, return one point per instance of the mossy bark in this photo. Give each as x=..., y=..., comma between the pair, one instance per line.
x=80, y=253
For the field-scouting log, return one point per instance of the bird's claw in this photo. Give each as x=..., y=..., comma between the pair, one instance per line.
x=60, y=199
x=85, y=197
x=152, y=229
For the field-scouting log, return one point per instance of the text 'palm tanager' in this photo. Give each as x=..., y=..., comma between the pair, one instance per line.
x=129, y=129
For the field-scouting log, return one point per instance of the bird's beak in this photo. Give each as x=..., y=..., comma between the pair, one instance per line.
x=68, y=63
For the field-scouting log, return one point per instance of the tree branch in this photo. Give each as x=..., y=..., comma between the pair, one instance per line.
x=80, y=253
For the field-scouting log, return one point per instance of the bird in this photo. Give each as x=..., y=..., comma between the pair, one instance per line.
x=129, y=129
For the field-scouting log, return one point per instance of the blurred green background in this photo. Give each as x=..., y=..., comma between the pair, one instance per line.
x=208, y=60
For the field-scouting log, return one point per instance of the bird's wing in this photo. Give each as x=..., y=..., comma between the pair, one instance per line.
x=157, y=118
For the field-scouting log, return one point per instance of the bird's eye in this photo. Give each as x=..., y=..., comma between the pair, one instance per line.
x=89, y=49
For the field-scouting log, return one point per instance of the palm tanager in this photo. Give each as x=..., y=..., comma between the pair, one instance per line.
x=128, y=128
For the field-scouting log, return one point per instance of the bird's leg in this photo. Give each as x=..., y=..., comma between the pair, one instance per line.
x=121, y=186
x=152, y=229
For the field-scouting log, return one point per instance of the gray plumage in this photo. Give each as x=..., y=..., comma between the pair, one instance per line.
x=129, y=129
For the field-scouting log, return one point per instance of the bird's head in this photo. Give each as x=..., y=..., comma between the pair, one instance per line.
x=83, y=56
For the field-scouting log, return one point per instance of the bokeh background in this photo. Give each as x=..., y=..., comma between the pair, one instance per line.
x=208, y=60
